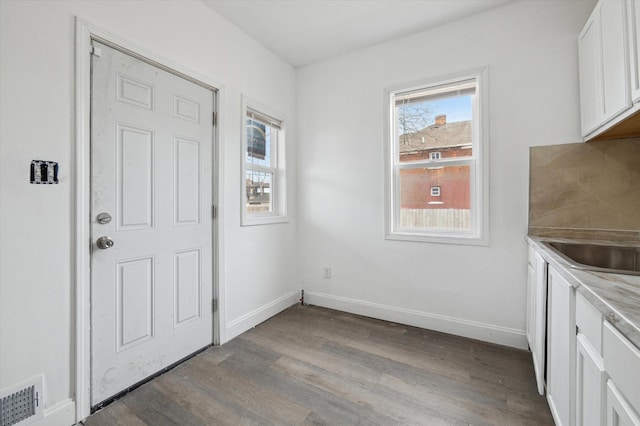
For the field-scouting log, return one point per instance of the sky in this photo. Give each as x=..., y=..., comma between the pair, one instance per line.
x=456, y=109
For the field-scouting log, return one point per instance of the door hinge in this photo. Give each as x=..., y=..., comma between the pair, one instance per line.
x=96, y=51
x=214, y=304
x=213, y=118
x=214, y=211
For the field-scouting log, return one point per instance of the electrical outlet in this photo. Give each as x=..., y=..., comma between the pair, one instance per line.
x=327, y=272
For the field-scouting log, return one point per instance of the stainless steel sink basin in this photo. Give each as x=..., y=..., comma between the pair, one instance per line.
x=594, y=257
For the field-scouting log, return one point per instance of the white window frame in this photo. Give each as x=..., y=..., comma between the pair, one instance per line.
x=435, y=155
x=479, y=232
x=435, y=191
x=277, y=167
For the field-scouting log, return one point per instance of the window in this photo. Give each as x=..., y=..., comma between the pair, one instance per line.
x=444, y=121
x=263, y=186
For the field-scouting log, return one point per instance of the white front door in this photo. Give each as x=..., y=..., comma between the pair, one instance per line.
x=151, y=263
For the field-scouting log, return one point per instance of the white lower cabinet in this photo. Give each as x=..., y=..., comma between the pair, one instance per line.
x=622, y=364
x=592, y=372
x=531, y=306
x=536, y=313
x=619, y=411
x=591, y=382
x=607, y=371
x=591, y=378
x=561, y=349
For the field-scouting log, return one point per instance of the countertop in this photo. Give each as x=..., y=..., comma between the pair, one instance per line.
x=617, y=296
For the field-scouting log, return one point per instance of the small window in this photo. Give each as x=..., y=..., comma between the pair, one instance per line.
x=263, y=186
x=441, y=120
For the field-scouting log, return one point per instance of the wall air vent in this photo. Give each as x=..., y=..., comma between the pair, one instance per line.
x=23, y=403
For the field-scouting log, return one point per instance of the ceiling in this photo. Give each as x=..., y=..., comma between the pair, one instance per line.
x=306, y=31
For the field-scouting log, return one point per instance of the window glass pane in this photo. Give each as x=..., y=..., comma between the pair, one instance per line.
x=426, y=125
x=259, y=185
x=260, y=136
x=446, y=208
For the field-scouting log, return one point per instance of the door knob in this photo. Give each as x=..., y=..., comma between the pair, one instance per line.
x=104, y=243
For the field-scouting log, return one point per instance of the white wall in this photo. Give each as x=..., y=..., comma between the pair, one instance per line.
x=530, y=48
x=36, y=116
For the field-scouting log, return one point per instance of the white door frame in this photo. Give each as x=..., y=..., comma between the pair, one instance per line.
x=81, y=242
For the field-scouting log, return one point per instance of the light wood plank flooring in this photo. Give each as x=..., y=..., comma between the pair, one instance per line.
x=311, y=365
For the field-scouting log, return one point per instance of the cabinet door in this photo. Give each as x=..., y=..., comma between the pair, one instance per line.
x=590, y=74
x=619, y=412
x=633, y=19
x=615, y=72
x=622, y=362
x=590, y=384
x=531, y=309
x=561, y=349
x=540, y=315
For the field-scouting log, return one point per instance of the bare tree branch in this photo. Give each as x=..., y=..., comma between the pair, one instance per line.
x=414, y=117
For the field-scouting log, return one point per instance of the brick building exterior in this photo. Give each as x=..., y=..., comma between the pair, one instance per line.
x=438, y=187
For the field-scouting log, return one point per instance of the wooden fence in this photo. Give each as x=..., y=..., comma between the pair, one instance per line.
x=435, y=218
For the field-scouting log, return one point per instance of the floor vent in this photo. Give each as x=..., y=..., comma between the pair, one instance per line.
x=23, y=403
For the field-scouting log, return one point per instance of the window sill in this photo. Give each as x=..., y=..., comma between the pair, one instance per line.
x=263, y=220
x=470, y=240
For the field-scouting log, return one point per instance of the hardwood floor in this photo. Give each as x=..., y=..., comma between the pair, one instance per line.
x=311, y=365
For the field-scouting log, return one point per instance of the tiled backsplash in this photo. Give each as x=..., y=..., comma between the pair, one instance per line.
x=592, y=187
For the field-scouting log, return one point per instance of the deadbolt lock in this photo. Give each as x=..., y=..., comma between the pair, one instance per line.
x=104, y=218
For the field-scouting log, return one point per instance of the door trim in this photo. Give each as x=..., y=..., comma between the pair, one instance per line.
x=81, y=198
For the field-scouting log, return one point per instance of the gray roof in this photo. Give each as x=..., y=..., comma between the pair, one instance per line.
x=449, y=135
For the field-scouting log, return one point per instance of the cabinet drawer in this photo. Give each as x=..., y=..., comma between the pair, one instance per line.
x=622, y=363
x=589, y=322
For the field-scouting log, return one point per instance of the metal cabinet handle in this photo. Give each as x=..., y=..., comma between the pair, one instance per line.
x=104, y=243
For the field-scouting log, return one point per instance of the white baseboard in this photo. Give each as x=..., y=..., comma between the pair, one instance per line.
x=263, y=313
x=457, y=326
x=61, y=414
x=554, y=410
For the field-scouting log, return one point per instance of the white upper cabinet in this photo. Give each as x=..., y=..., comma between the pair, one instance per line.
x=633, y=20
x=615, y=71
x=605, y=67
x=590, y=75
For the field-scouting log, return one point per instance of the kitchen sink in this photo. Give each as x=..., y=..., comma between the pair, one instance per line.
x=595, y=257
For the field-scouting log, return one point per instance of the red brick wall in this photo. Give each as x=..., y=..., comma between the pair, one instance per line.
x=454, y=183
x=444, y=153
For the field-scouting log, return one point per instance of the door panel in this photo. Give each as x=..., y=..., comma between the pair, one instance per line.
x=151, y=171
x=187, y=184
x=134, y=92
x=134, y=179
x=134, y=318
x=187, y=291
